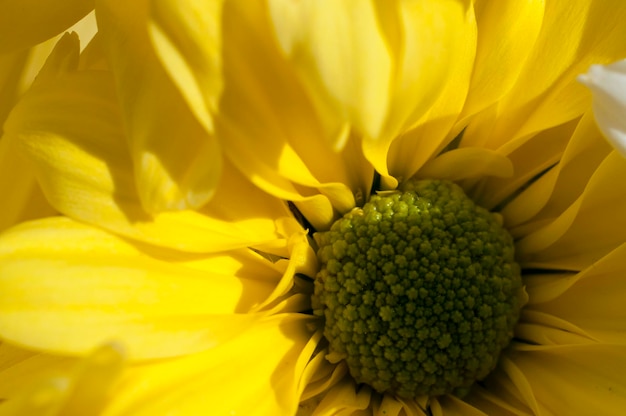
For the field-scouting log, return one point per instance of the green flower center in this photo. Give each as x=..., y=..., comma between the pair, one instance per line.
x=419, y=289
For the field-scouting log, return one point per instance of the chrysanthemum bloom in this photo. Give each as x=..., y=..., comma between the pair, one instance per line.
x=280, y=207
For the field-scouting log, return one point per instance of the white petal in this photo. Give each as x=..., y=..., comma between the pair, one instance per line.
x=608, y=86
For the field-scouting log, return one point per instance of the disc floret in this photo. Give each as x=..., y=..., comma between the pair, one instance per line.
x=419, y=290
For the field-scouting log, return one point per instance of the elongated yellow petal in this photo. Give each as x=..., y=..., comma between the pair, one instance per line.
x=69, y=287
x=187, y=39
x=49, y=385
x=452, y=406
x=507, y=32
x=344, y=398
x=557, y=189
x=577, y=370
x=590, y=228
x=72, y=129
x=467, y=163
x=21, y=368
x=434, y=130
x=546, y=93
x=529, y=160
x=270, y=129
x=177, y=160
x=377, y=68
x=591, y=300
x=346, y=67
x=256, y=373
x=21, y=195
x=25, y=23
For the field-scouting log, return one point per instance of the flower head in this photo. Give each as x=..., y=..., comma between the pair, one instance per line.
x=323, y=207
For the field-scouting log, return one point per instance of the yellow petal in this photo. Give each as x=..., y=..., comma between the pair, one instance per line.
x=72, y=129
x=94, y=380
x=21, y=195
x=177, y=160
x=21, y=368
x=432, y=44
x=377, y=68
x=529, y=160
x=256, y=373
x=24, y=23
x=547, y=197
x=53, y=386
x=569, y=379
x=467, y=163
x=346, y=67
x=69, y=287
x=507, y=32
x=193, y=65
x=514, y=383
x=492, y=403
x=592, y=300
x=344, y=398
x=546, y=93
x=434, y=130
x=451, y=406
x=44, y=398
x=588, y=229
x=268, y=126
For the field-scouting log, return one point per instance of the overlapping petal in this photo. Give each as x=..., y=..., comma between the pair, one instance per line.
x=25, y=23
x=177, y=160
x=546, y=92
x=586, y=372
x=588, y=229
x=50, y=386
x=92, y=287
x=377, y=68
x=267, y=124
x=257, y=373
x=72, y=128
x=589, y=300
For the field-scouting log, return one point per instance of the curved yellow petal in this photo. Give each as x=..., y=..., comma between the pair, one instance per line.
x=69, y=287
x=434, y=130
x=432, y=43
x=558, y=374
x=21, y=368
x=268, y=125
x=346, y=67
x=187, y=40
x=467, y=163
x=21, y=194
x=256, y=373
x=71, y=127
x=507, y=32
x=177, y=160
x=530, y=160
x=592, y=299
x=59, y=386
x=552, y=193
x=25, y=23
x=345, y=397
x=378, y=68
x=546, y=92
x=588, y=229
x=492, y=403
x=452, y=406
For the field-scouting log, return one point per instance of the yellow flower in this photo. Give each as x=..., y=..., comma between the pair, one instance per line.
x=200, y=152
